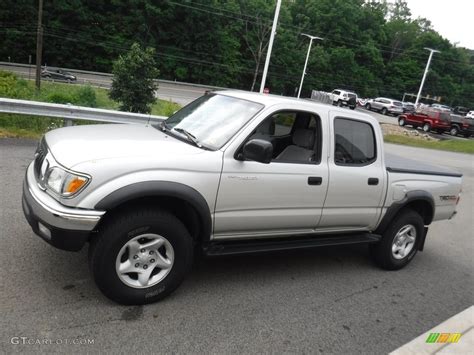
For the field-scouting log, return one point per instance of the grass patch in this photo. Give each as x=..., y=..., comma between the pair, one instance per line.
x=18, y=133
x=82, y=95
x=452, y=145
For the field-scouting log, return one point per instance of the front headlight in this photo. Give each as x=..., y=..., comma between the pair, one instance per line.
x=65, y=183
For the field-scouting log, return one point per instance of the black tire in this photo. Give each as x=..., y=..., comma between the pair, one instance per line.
x=352, y=107
x=401, y=121
x=384, y=111
x=367, y=106
x=120, y=229
x=426, y=128
x=381, y=252
x=339, y=103
x=454, y=131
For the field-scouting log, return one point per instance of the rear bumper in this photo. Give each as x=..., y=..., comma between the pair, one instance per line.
x=63, y=227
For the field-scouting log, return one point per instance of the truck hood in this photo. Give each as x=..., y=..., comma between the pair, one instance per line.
x=74, y=145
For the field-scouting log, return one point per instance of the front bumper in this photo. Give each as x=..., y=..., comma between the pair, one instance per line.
x=63, y=227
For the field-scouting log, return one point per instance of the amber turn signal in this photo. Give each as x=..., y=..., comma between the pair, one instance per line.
x=75, y=185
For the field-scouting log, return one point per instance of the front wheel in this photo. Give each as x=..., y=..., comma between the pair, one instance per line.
x=400, y=242
x=339, y=103
x=384, y=111
x=401, y=122
x=141, y=257
x=427, y=128
x=367, y=106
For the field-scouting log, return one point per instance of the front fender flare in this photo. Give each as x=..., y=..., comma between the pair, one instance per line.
x=161, y=189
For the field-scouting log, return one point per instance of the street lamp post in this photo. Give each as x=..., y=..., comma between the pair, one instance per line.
x=307, y=57
x=270, y=46
x=425, y=73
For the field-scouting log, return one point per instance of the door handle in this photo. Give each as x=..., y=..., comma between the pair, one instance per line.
x=315, y=180
x=373, y=181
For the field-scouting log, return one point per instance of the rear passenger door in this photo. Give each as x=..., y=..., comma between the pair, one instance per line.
x=357, y=177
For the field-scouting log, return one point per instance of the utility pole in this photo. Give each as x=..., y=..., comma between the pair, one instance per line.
x=307, y=57
x=39, y=45
x=425, y=73
x=270, y=46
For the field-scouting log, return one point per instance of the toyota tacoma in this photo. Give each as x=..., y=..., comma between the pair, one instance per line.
x=230, y=173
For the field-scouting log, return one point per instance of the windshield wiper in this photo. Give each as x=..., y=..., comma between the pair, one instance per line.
x=190, y=136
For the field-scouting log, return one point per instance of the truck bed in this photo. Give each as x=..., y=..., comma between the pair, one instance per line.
x=396, y=164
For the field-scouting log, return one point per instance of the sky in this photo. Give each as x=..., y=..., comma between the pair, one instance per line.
x=453, y=19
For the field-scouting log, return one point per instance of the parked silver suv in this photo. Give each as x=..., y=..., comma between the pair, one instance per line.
x=385, y=106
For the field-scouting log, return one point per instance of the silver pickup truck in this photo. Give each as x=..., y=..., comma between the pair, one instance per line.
x=233, y=172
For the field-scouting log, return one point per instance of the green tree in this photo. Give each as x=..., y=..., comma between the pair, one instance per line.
x=133, y=83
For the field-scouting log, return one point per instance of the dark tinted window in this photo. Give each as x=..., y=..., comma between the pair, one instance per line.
x=355, y=142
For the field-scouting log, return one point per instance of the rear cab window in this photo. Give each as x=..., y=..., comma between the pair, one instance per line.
x=355, y=143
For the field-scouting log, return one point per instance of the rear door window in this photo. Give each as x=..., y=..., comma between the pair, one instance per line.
x=354, y=142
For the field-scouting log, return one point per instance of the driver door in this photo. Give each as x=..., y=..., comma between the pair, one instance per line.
x=280, y=198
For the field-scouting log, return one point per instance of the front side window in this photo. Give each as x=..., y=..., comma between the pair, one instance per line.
x=294, y=135
x=354, y=142
x=212, y=119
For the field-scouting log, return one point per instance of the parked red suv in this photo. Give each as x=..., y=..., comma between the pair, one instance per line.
x=427, y=118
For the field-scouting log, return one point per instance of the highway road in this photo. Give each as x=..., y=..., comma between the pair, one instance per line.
x=327, y=300
x=182, y=93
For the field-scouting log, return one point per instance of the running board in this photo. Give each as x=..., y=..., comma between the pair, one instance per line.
x=265, y=245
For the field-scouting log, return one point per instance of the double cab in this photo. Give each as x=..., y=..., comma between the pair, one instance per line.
x=232, y=172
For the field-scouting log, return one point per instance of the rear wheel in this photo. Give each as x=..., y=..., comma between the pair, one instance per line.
x=141, y=257
x=454, y=131
x=339, y=103
x=400, y=241
x=367, y=106
x=427, y=128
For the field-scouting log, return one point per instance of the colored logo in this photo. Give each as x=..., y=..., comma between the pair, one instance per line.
x=443, y=337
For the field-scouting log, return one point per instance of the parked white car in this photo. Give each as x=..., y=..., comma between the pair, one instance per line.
x=470, y=114
x=343, y=98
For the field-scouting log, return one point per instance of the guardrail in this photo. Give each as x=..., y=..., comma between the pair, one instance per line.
x=71, y=112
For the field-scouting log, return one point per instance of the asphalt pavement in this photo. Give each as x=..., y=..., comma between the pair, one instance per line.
x=327, y=300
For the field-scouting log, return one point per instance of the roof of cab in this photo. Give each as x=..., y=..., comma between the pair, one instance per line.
x=270, y=100
x=264, y=99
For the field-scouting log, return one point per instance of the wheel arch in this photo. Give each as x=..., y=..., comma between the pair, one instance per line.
x=186, y=203
x=420, y=201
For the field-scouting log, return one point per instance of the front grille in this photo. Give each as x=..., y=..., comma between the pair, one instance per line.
x=40, y=154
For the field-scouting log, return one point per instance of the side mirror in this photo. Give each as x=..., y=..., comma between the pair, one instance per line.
x=258, y=150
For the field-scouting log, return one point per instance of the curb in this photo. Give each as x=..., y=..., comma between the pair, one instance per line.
x=462, y=323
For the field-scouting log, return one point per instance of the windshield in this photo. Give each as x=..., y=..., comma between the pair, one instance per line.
x=213, y=119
